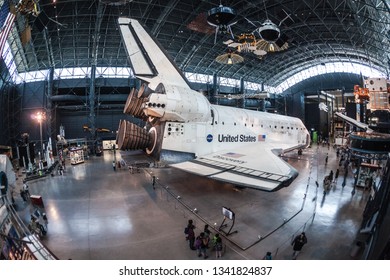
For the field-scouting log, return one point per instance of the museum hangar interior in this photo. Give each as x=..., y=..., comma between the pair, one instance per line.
x=66, y=77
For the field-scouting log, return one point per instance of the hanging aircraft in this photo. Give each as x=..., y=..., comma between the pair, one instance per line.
x=224, y=143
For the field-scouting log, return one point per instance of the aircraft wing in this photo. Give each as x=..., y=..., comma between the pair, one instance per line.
x=255, y=167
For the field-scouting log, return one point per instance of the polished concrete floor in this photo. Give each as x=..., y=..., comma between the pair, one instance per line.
x=97, y=213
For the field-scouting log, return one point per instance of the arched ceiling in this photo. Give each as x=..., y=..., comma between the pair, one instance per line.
x=81, y=33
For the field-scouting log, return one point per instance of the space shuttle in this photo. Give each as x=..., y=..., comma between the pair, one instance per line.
x=182, y=128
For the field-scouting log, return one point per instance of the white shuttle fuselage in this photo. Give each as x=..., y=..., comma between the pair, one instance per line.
x=229, y=128
x=225, y=143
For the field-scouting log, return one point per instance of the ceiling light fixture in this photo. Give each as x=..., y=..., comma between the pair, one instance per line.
x=229, y=58
x=229, y=61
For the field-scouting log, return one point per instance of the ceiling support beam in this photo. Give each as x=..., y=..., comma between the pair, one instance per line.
x=92, y=104
x=49, y=108
x=387, y=5
x=49, y=47
x=49, y=86
x=356, y=12
x=164, y=14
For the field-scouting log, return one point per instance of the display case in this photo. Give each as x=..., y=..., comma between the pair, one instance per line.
x=76, y=155
x=366, y=175
x=109, y=144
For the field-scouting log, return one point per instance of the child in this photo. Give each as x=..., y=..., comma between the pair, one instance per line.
x=218, y=245
x=268, y=256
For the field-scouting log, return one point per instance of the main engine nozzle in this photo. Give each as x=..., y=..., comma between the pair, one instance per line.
x=132, y=137
x=139, y=105
x=134, y=105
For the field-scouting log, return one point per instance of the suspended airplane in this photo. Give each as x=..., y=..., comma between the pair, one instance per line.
x=87, y=128
x=229, y=144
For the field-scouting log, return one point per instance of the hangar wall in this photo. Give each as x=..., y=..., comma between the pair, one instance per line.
x=71, y=109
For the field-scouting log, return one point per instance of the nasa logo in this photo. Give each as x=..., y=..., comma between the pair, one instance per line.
x=209, y=138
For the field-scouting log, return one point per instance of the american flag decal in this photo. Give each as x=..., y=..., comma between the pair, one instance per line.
x=261, y=137
x=6, y=21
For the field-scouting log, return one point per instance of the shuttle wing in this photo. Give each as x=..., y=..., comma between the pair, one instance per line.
x=258, y=167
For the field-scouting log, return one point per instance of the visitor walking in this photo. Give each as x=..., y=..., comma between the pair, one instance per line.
x=298, y=243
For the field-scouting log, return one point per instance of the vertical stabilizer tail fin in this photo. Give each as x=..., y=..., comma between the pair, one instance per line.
x=148, y=59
